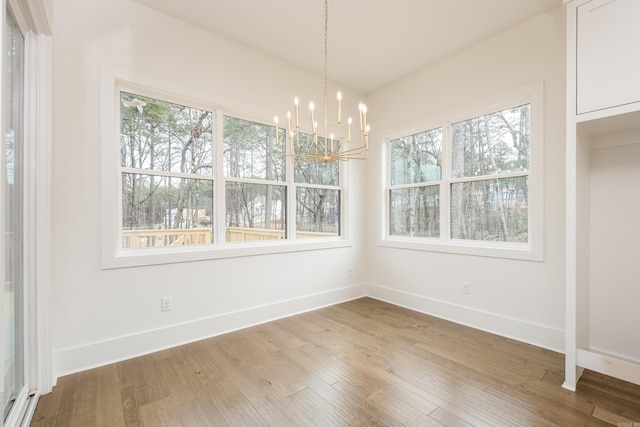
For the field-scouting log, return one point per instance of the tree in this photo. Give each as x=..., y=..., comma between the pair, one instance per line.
x=163, y=148
x=317, y=207
x=491, y=207
x=416, y=159
x=250, y=157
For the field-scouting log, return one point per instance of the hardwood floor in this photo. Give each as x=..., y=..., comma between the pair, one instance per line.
x=360, y=363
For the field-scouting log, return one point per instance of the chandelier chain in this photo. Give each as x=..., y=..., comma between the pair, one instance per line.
x=326, y=43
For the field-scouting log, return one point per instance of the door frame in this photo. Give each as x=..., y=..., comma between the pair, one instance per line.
x=33, y=20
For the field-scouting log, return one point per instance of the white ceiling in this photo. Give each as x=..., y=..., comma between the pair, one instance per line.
x=371, y=42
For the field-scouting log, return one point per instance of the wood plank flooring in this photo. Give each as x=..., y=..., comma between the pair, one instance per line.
x=360, y=363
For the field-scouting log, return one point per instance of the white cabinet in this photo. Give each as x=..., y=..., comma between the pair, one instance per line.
x=602, y=172
x=608, y=54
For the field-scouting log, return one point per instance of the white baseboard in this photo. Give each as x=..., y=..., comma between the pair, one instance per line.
x=624, y=369
x=517, y=329
x=92, y=355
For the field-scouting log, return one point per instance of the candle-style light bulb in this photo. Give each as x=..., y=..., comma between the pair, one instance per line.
x=366, y=137
x=339, y=107
x=313, y=120
x=364, y=119
x=296, y=101
x=315, y=134
x=349, y=130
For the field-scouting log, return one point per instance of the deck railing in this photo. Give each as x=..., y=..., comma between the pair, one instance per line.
x=239, y=234
x=133, y=239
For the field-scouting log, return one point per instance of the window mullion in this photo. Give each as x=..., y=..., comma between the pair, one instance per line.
x=385, y=213
x=445, y=186
x=343, y=179
x=292, y=204
x=256, y=181
x=219, y=199
x=418, y=184
x=328, y=187
x=290, y=194
x=489, y=177
x=164, y=173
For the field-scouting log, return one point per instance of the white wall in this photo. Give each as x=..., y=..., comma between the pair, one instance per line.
x=521, y=299
x=615, y=286
x=105, y=315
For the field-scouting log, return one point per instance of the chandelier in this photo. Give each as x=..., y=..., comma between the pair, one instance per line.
x=326, y=147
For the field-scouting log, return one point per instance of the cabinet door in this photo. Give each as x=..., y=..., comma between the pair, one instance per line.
x=608, y=54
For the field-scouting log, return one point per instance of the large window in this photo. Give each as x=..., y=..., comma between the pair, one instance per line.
x=255, y=190
x=469, y=185
x=414, y=194
x=166, y=173
x=205, y=178
x=317, y=196
x=489, y=176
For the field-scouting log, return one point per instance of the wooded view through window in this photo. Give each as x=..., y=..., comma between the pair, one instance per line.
x=414, y=197
x=486, y=187
x=256, y=199
x=169, y=179
x=317, y=195
x=166, y=158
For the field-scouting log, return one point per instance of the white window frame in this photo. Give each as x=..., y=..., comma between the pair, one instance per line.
x=114, y=256
x=532, y=250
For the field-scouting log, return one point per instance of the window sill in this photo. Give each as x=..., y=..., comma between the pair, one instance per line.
x=515, y=251
x=146, y=257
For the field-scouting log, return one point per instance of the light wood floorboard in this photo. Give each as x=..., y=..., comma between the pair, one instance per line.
x=360, y=363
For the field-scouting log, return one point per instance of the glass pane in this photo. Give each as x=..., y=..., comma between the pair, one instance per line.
x=249, y=151
x=255, y=212
x=317, y=212
x=162, y=136
x=491, y=210
x=492, y=144
x=415, y=211
x=162, y=211
x=417, y=158
x=314, y=172
x=12, y=322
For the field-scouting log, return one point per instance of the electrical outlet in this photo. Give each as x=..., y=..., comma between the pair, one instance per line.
x=466, y=287
x=350, y=272
x=166, y=304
